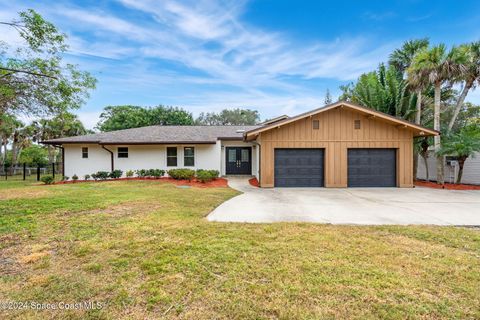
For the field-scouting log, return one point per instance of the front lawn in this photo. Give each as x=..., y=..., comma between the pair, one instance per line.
x=144, y=250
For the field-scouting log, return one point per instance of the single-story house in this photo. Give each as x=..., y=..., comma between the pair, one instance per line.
x=338, y=145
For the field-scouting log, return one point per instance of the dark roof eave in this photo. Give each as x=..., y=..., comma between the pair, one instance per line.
x=126, y=142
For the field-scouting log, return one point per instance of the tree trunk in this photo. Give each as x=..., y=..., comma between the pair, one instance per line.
x=461, y=162
x=437, y=141
x=427, y=173
x=458, y=107
x=418, y=118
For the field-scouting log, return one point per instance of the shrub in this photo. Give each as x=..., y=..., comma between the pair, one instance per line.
x=207, y=175
x=94, y=176
x=156, y=173
x=142, y=173
x=47, y=179
x=181, y=174
x=74, y=177
x=102, y=175
x=86, y=177
x=65, y=178
x=129, y=173
x=115, y=174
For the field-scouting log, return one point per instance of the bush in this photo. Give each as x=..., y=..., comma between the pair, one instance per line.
x=181, y=174
x=47, y=179
x=74, y=177
x=142, y=173
x=65, y=178
x=102, y=175
x=156, y=173
x=115, y=174
x=86, y=177
x=207, y=175
x=94, y=176
x=129, y=173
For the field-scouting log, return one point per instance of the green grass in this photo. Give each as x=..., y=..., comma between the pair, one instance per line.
x=145, y=250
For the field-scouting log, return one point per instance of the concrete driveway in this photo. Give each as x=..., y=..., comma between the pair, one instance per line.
x=369, y=206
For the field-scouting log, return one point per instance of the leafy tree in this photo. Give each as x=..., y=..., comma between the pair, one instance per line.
x=462, y=145
x=439, y=66
x=402, y=58
x=34, y=155
x=34, y=80
x=125, y=117
x=384, y=90
x=64, y=124
x=229, y=117
x=470, y=77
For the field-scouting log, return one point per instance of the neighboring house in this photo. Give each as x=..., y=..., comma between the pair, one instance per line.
x=339, y=145
x=471, y=169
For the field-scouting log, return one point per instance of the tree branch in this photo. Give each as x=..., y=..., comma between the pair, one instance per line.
x=27, y=72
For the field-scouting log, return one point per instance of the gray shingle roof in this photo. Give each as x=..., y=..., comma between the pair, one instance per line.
x=159, y=135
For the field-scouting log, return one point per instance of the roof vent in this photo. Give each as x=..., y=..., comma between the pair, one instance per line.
x=240, y=131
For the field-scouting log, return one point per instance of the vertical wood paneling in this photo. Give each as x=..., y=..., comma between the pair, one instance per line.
x=336, y=134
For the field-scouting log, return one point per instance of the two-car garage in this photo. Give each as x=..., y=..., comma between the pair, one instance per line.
x=367, y=167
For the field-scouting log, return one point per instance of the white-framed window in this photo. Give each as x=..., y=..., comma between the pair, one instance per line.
x=172, y=157
x=84, y=152
x=122, y=152
x=189, y=156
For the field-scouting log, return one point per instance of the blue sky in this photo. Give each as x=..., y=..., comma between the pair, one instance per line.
x=271, y=55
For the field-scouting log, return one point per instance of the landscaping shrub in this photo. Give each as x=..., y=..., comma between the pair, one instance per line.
x=207, y=175
x=181, y=174
x=115, y=174
x=47, y=179
x=94, y=176
x=129, y=173
x=65, y=178
x=86, y=177
x=142, y=173
x=156, y=173
x=102, y=175
x=74, y=177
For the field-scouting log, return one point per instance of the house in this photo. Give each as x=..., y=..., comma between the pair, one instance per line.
x=338, y=145
x=471, y=169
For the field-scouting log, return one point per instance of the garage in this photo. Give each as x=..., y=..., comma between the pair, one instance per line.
x=299, y=167
x=372, y=168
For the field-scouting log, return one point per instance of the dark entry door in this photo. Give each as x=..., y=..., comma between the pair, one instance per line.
x=372, y=168
x=238, y=160
x=299, y=167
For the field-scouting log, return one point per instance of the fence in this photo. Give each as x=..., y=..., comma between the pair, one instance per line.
x=31, y=173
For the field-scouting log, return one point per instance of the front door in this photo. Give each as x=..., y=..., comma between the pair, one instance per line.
x=238, y=160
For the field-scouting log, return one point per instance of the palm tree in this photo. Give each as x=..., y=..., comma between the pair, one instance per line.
x=438, y=66
x=462, y=145
x=471, y=76
x=402, y=58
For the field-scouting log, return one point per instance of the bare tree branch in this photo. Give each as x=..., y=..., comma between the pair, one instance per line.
x=27, y=72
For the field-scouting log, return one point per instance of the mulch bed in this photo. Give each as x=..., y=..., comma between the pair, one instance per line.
x=449, y=186
x=219, y=182
x=253, y=182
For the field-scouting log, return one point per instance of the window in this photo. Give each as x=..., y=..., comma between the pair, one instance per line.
x=123, y=152
x=357, y=124
x=316, y=124
x=189, y=156
x=84, y=152
x=171, y=156
x=245, y=155
x=232, y=155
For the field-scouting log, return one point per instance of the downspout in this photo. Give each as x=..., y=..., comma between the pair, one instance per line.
x=111, y=157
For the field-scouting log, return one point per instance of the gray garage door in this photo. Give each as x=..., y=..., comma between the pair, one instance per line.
x=298, y=167
x=372, y=168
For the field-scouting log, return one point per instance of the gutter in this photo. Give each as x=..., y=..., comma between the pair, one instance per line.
x=111, y=157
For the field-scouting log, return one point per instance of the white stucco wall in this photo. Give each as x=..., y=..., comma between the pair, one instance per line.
x=471, y=170
x=255, y=164
x=207, y=156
